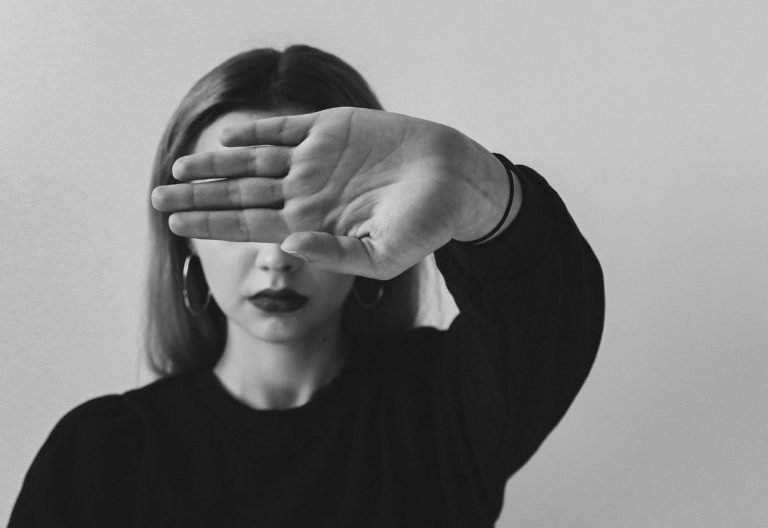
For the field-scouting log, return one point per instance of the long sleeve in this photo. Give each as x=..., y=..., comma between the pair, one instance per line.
x=531, y=305
x=420, y=431
x=85, y=473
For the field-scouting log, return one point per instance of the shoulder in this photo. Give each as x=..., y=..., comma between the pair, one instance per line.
x=114, y=420
x=115, y=410
x=94, y=411
x=94, y=429
x=101, y=434
x=88, y=464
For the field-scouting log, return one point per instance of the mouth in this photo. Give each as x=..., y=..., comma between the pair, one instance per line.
x=278, y=301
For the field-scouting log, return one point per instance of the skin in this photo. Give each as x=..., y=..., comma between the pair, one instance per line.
x=344, y=191
x=363, y=192
x=271, y=360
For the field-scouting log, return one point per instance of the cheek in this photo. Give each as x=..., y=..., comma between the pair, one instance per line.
x=223, y=271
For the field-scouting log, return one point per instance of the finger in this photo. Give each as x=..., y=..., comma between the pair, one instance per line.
x=265, y=162
x=250, y=225
x=285, y=130
x=237, y=193
x=340, y=254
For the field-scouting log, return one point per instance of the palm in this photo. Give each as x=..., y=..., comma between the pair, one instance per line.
x=384, y=188
x=363, y=192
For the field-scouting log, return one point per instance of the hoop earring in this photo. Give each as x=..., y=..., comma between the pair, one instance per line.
x=185, y=290
x=369, y=304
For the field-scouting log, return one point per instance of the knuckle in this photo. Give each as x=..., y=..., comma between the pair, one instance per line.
x=234, y=193
x=282, y=129
x=242, y=226
x=190, y=192
x=214, y=162
x=252, y=162
x=207, y=226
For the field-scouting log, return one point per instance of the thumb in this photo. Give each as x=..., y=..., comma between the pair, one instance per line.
x=340, y=254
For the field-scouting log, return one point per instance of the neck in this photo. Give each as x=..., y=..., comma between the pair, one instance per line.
x=280, y=375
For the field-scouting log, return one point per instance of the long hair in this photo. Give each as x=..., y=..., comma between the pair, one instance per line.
x=265, y=79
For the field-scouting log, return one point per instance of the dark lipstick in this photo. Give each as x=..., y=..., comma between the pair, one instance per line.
x=276, y=301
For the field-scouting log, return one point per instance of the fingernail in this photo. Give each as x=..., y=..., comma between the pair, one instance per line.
x=225, y=137
x=296, y=254
x=177, y=168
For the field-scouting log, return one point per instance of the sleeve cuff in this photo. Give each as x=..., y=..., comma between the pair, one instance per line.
x=522, y=244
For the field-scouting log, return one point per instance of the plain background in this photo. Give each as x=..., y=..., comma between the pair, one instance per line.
x=650, y=119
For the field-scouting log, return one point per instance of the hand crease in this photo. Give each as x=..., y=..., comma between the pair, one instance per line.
x=242, y=226
x=281, y=130
x=207, y=225
x=235, y=193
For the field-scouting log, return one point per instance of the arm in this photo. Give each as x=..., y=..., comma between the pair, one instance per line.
x=85, y=473
x=531, y=308
x=371, y=193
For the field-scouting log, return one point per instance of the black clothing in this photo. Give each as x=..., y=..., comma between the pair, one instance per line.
x=422, y=431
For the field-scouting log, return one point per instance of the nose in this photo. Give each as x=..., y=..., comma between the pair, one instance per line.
x=270, y=257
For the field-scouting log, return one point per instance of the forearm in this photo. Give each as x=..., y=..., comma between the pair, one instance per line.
x=531, y=314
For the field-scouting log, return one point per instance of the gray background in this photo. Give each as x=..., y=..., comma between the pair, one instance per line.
x=650, y=118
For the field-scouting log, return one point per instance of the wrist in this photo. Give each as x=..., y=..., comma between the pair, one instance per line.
x=492, y=203
x=514, y=204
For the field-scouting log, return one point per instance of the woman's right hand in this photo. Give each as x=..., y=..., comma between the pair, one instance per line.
x=352, y=190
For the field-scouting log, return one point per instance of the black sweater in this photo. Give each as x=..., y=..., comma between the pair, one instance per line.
x=423, y=431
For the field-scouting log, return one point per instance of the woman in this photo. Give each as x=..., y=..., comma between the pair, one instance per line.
x=295, y=389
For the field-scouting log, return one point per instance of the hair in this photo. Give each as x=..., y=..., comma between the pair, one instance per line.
x=178, y=342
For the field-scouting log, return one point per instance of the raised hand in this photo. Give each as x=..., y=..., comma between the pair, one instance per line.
x=352, y=190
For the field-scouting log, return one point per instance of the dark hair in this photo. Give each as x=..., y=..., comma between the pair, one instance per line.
x=263, y=79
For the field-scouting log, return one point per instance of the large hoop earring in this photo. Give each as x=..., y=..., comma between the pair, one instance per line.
x=185, y=290
x=369, y=304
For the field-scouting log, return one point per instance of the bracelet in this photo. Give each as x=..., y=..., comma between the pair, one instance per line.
x=506, y=211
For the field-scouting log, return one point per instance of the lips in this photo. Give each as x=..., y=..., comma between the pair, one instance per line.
x=276, y=301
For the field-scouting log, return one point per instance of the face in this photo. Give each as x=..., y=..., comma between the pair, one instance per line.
x=238, y=271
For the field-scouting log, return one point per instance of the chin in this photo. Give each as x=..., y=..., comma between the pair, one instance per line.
x=279, y=331
x=278, y=337
x=283, y=328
